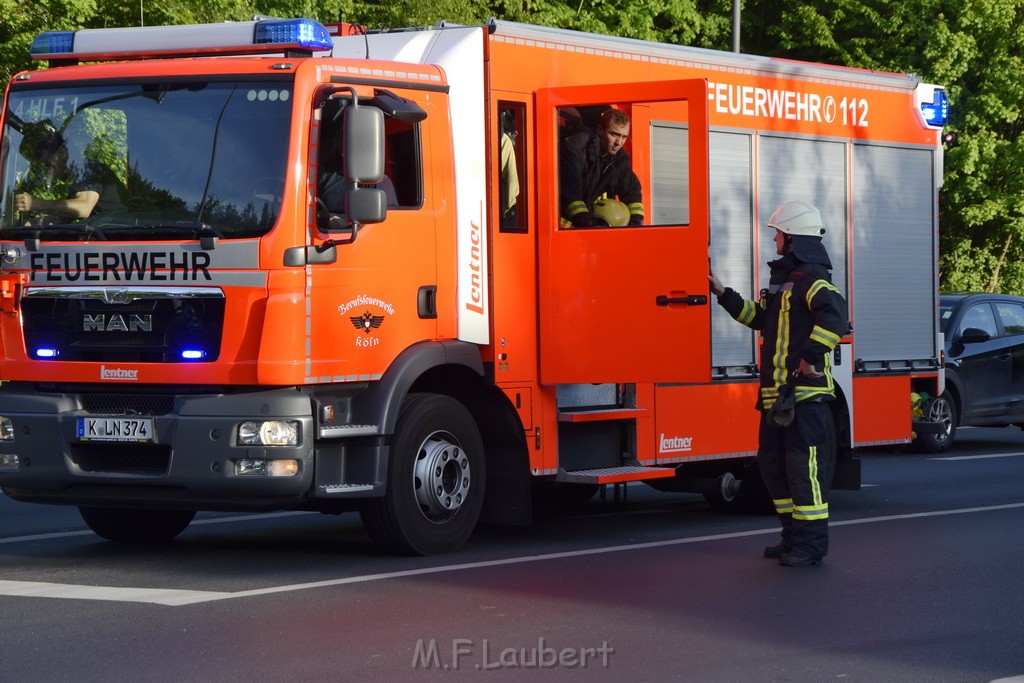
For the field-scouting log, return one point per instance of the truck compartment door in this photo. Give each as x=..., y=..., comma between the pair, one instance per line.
x=627, y=304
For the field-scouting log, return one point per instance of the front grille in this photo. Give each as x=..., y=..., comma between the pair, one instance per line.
x=155, y=327
x=128, y=404
x=106, y=458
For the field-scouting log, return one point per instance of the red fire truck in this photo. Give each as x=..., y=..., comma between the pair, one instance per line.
x=192, y=320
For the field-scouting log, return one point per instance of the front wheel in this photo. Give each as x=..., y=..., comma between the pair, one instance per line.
x=128, y=525
x=435, y=483
x=941, y=410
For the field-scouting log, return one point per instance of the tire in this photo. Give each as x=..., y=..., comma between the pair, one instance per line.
x=129, y=525
x=940, y=409
x=435, y=483
x=724, y=495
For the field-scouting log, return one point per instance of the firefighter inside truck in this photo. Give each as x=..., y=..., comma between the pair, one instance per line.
x=597, y=185
x=56, y=189
x=401, y=182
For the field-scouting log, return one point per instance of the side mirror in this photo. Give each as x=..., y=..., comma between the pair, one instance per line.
x=973, y=335
x=364, y=144
x=366, y=205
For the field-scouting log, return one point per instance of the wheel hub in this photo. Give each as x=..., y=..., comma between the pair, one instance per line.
x=441, y=478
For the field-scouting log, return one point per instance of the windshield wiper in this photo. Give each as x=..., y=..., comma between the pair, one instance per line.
x=206, y=234
x=53, y=231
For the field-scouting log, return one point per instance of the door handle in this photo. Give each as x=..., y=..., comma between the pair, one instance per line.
x=693, y=300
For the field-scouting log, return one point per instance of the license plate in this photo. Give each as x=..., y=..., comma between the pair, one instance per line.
x=115, y=429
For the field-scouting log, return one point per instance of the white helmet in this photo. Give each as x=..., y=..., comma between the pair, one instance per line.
x=797, y=218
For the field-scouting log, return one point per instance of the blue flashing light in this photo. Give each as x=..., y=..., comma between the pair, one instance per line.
x=302, y=33
x=936, y=112
x=53, y=43
x=193, y=354
x=47, y=353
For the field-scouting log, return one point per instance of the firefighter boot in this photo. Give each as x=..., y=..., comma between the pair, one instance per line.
x=798, y=558
x=776, y=551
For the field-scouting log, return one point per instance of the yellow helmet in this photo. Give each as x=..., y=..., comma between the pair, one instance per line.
x=611, y=211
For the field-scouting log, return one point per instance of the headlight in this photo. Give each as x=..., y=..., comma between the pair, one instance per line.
x=268, y=433
x=263, y=467
x=6, y=429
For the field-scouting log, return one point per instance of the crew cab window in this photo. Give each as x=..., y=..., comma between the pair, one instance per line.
x=598, y=183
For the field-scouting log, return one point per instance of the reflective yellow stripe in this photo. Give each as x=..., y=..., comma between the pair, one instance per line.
x=575, y=208
x=783, y=506
x=817, y=287
x=779, y=371
x=812, y=473
x=810, y=512
x=746, y=315
x=636, y=209
x=823, y=336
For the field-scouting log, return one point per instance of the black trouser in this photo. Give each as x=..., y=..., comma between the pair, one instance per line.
x=796, y=463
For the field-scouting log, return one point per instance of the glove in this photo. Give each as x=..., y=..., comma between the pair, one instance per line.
x=635, y=220
x=584, y=219
x=784, y=409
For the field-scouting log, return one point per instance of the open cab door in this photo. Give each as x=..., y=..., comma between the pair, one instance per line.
x=628, y=304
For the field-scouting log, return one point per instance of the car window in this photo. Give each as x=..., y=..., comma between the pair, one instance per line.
x=945, y=313
x=978, y=316
x=1012, y=317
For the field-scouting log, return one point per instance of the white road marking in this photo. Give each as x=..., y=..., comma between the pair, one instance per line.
x=980, y=457
x=188, y=597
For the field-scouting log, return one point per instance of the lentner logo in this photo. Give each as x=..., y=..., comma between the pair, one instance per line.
x=119, y=374
x=675, y=444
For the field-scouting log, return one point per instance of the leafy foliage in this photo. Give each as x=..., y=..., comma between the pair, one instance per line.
x=974, y=48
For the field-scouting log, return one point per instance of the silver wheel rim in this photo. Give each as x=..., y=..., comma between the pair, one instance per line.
x=942, y=413
x=441, y=477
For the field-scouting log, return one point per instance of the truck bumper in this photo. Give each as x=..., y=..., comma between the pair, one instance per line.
x=192, y=458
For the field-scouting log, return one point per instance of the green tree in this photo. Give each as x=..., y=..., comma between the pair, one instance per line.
x=972, y=48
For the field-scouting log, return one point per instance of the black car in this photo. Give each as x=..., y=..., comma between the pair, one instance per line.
x=984, y=350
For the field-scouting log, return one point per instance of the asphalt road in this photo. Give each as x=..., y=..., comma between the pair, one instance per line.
x=923, y=583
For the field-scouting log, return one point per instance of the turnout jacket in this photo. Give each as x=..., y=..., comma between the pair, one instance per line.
x=586, y=172
x=801, y=315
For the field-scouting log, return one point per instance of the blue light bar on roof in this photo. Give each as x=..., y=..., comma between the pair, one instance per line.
x=266, y=36
x=305, y=33
x=53, y=43
x=936, y=109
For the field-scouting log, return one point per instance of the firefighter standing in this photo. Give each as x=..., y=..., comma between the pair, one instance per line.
x=593, y=164
x=802, y=317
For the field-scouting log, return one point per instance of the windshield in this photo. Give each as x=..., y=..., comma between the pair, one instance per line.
x=150, y=161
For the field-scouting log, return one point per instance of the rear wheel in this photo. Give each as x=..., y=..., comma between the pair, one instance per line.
x=941, y=410
x=129, y=525
x=435, y=484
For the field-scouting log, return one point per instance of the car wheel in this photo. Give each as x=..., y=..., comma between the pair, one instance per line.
x=435, y=479
x=940, y=409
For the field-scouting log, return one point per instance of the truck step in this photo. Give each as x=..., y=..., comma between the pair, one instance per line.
x=614, y=475
x=601, y=414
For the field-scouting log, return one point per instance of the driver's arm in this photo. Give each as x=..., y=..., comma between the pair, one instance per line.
x=79, y=206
